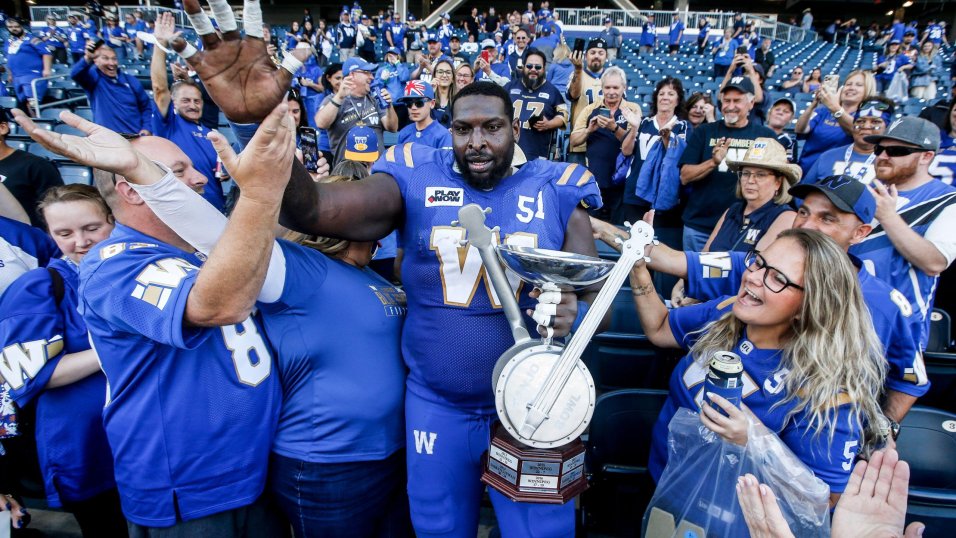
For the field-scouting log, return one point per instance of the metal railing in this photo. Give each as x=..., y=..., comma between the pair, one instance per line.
x=39, y=13
x=766, y=25
x=37, y=106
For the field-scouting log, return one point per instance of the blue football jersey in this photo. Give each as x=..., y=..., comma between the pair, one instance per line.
x=343, y=380
x=944, y=165
x=763, y=388
x=455, y=330
x=648, y=133
x=35, y=334
x=715, y=274
x=190, y=411
x=921, y=208
x=22, y=248
x=545, y=101
x=839, y=161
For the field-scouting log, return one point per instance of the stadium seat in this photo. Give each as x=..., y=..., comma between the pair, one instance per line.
x=8, y=101
x=928, y=443
x=940, y=327
x=66, y=129
x=22, y=145
x=84, y=112
x=52, y=113
x=618, y=447
x=74, y=173
x=40, y=151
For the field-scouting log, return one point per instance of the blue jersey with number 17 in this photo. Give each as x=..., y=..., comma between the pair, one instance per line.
x=455, y=329
x=713, y=274
x=190, y=411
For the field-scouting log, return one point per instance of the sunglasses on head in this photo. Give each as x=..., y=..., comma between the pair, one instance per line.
x=896, y=151
x=875, y=105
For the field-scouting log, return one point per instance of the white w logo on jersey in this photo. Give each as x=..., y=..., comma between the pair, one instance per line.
x=424, y=440
x=19, y=362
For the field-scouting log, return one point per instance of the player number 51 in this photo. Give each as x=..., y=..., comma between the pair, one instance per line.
x=526, y=210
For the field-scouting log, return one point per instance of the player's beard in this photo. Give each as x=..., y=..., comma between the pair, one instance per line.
x=487, y=181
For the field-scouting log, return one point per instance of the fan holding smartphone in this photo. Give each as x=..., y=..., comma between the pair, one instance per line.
x=539, y=106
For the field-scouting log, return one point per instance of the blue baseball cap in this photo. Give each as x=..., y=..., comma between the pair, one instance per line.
x=847, y=193
x=356, y=63
x=393, y=50
x=431, y=37
x=416, y=89
x=361, y=144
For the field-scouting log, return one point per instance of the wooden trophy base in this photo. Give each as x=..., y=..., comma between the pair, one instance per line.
x=535, y=475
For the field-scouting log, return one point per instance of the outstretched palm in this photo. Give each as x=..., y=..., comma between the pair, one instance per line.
x=237, y=71
x=100, y=148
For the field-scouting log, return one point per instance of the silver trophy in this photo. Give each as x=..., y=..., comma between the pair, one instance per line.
x=544, y=394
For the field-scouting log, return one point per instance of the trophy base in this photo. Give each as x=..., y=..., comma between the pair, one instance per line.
x=534, y=475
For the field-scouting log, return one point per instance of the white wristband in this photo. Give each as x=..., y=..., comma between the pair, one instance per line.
x=201, y=23
x=291, y=64
x=224, y=16
x=188, y=52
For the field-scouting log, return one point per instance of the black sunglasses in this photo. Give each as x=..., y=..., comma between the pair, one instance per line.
x=534, y=67
x=896, y=151
x=415, y=103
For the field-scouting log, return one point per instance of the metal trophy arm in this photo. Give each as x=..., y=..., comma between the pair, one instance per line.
x=472, y=218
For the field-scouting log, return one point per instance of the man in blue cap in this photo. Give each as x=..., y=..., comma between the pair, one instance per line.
x=354, y=104
x=419, y=97
x=426, y=62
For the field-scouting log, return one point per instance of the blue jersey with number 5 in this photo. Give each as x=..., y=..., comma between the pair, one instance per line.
x=190, y=411
x=764, y=388
x=944, y=164
x=455, y=329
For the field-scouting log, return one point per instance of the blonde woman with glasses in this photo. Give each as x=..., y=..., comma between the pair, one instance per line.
x=812, y=373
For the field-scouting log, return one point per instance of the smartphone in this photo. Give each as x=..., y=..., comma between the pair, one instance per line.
x=534, y=119
x=832, y=82
x=742, y=50
x=604, y=111
x=486, y=56
x=308, y=143
x=579, y=44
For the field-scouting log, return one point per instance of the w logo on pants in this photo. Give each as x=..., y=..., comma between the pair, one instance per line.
x=424, y=440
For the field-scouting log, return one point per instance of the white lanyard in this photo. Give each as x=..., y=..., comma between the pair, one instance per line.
x=866, y=164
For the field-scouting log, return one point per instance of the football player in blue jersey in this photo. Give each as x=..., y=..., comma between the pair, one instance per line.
x=912, y=241
x=841, y=208
x=812, y=373
x=47, y=360
x=453, y=332
x=192, y=404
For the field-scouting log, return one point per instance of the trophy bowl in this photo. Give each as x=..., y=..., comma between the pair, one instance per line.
x=565, y=270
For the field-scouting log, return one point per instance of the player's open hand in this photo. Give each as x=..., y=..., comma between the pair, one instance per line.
x=237, y=71
x=264, y=167
x=100, y=148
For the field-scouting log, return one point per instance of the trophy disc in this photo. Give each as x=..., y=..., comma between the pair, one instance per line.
x=567, y=271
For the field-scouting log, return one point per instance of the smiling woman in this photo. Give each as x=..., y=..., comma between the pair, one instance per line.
x=800, y=378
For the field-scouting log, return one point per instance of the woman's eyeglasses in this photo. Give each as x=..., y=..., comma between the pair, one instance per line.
x=773, y=279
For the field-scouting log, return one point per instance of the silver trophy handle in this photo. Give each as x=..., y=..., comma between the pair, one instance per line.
x=472, y=218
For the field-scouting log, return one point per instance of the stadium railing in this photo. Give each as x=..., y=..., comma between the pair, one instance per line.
x=38, y=106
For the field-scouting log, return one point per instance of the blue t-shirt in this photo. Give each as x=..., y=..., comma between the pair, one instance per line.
x=648, y=34
x=742, y=233
x=52, y=36
x=22, y=248
x=35, y=334
x=455, y=330
x=78, y=36
x=715, y=274
x=648, y=134
x=675, y=33
x=343, y=380
x=944, y=164
x=763, y=389
x=834, y=162
x=191, y=138
x=545, y=101
x=191, y=411
x=824, y=133
x=435, y=135
x=25, y=56
x=892, y=65
x=119, y=103
x=724, y=52
x=934, y=33
x=919, y=208
x=398, y=31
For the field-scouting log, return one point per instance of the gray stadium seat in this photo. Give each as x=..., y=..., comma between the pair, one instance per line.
x=75, y=173
x=927, y=443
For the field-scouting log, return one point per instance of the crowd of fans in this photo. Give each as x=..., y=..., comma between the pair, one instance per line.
x=767, y=214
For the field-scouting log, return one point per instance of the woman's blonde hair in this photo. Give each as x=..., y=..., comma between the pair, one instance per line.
x=869, y=83
x=326, y=245
x=561, y=52
x=833, y=356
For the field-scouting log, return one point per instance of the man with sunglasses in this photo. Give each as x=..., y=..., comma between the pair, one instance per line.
x=842, y=208
x=536, y=100
x=419, y=98
x=912, y=240
x=856, y=159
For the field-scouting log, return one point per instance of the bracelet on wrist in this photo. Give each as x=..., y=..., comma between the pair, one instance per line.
x=335, y=103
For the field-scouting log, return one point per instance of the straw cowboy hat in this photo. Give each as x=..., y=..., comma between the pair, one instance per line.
x=768, y=153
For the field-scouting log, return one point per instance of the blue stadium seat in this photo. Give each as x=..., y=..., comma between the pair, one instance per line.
x=84, y=112
x=75, y=173
x=8, y=101
x=20, y=144
x=927, y=443
x=618, y=448
x=52, y=113
x=40, y=151
x=67, y=129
